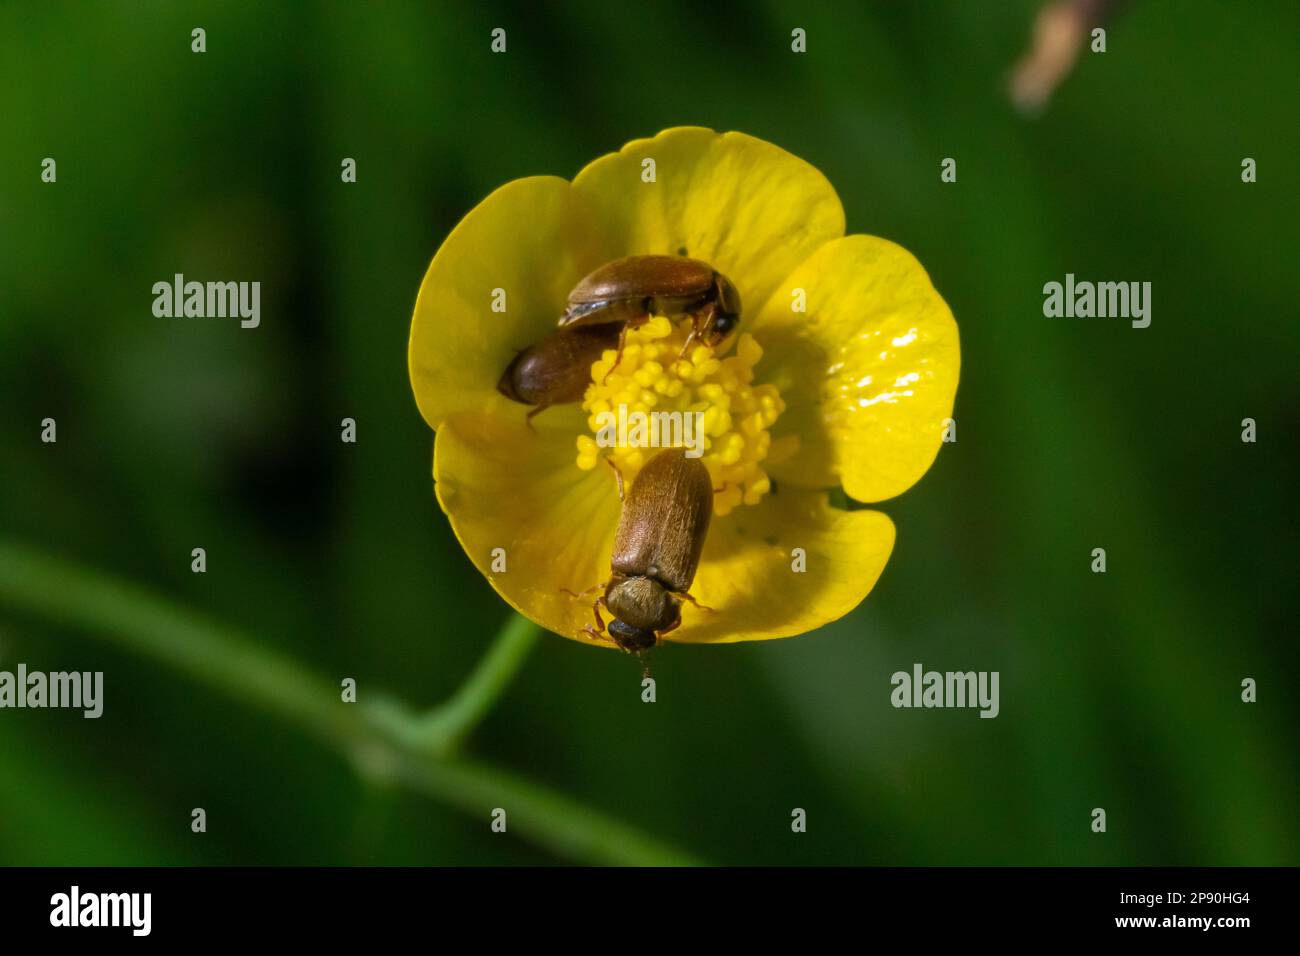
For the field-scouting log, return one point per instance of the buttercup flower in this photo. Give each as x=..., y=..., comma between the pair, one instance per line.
x=842, y=374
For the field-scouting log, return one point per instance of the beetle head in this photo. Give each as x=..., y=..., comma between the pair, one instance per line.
x=726, y=311
x=634, y=640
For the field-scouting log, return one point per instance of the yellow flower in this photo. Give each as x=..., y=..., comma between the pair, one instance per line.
x=852, y=391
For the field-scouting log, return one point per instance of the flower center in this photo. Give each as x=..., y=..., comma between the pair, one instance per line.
x=655, y=399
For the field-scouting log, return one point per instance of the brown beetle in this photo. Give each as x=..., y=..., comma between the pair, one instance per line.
x=656, y=551
x=628, y=291
x=557, y=369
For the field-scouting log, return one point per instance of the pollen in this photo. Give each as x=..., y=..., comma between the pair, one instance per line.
x=655, y=398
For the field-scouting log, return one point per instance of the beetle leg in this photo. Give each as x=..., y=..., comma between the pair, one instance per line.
x=622, y=339
x=699, y=322
x=528, y=419
x=690, y=339
x=618, y=475
x=578, y=594
x=597, y=632
x=686, y=597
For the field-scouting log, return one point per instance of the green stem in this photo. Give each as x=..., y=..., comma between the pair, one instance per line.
x=148, y=625
x=383, y=738
x=549, y=819
x=445, y=727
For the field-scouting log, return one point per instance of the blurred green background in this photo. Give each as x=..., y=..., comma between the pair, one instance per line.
x=1119, y=691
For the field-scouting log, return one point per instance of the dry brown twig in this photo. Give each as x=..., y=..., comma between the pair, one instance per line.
x=1060, y=30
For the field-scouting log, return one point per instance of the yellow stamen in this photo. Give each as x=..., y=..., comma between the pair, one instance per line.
x=716, y=394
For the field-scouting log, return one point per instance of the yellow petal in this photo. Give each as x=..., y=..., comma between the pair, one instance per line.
x=747, y=573
x=532, y=238
x=503, y=486
x=868, y=373
x=750, y=209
